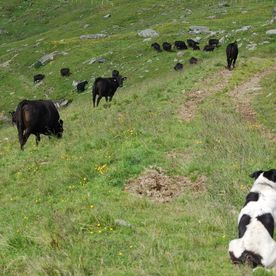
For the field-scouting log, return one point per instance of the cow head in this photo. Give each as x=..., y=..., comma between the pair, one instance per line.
x=59, y=129
x=120, y=80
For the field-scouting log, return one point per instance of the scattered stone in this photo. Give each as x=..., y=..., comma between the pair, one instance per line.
x=271, y=32
x=251, y=47
x=93, y=36
x=122, y=222
x=187, y=12
x=107, y=15
x=243, y=29
x=222, y=40
x=2, y=31
x=211, y=17
x=180, y=54
x=199, y=30
x=86, y=26
x=62, y=103
x=49, y=57
x=148, y=33
x=95, y=60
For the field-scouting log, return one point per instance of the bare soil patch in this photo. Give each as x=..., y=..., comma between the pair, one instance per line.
x=155, y=184
x=210, y=86
x=244, y=94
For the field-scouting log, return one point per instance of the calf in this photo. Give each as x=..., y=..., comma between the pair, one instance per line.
x=180, y=45
x=156, y=47
x=255, y=245
x=178, y=67
x=65, y=72
x=209, y=48
x=80, y=86
x=167, y=46
x=106, y=87
x=232, y=54
x=191, y=43
x=214, y=42
x=193, y=60
x=38, y=78
x=37, y=117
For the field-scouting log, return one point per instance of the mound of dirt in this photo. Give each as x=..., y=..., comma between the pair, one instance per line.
x=158, y=186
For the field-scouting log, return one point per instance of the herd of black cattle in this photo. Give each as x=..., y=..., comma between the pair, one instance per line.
x=41, y=116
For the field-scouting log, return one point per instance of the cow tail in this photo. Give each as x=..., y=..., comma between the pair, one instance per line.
x=94, y=92
x=19, y=122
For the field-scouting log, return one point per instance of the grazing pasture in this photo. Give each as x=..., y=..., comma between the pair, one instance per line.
x=64, y=205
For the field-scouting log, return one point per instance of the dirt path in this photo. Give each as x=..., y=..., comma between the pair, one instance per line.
x=243, y=96
x=210, y=86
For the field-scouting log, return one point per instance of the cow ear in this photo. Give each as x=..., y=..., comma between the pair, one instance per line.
x=255, y=174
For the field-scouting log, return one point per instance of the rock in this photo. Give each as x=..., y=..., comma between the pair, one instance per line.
x=122, y=222
x=148, y=33
x=49, y=57
x=62, y=103
x=2, y=31
x=243, y=29
x=4, y=118
x=251, y=47
x=107, y=15
x=180, y=54
x=199, y=30
x=86, y=26
x=211, y=17
x=271, y=32
x=222, y=40
x=93, y=36
x=95, y=60
x=187, y=12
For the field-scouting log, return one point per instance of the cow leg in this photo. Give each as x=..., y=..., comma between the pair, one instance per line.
x=25, y=138
x=94, y=99
x=98, y=100
x=37, y=138
x=229, y=63
x=110, y=98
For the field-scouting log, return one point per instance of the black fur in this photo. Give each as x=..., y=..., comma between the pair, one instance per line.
x=256, y=174
x=268, y=222
x=247, y=257
x=244, y=221
x=270, y=175
x=252, y=196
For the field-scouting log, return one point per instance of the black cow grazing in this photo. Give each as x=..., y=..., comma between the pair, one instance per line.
x=193, y=60
x=178, y=67
x=214, y=42
x=65, y=72
x=167, y=46
x=37, y=117
x=209, y=48
x=106, y=87
x=191, y=43
x=156, y=47
x=232, y=54
x=180, y=45
x=38, y=78
x=81, y=86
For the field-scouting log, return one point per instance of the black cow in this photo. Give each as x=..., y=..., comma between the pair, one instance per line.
x=191, y=43
x=156, y=47
x=65, y=72
x=193, y=60
x=37, y=117
x=214, y=42
x=232, y=54
x=167, y=46
x=180, y=45
x=196, y=47
x=178, y=67
x=106, y=87
x=38, y=78
x=209, y=48
x=81, y=86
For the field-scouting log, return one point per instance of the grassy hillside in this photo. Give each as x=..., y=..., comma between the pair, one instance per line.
x=60, y=200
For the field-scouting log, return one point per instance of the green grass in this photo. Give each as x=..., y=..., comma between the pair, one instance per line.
x=58, y=209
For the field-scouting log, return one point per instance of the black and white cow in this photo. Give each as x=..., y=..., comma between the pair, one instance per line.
x=255, y=245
